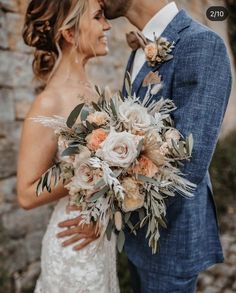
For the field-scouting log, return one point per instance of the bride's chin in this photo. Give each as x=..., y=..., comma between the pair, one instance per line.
x=103, y=52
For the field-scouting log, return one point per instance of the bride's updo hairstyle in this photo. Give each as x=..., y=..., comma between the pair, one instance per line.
x=44, y=22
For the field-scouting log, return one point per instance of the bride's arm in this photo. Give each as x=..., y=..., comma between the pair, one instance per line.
x=38, y=148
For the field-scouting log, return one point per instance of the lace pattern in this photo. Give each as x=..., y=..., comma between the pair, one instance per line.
x=91, y=270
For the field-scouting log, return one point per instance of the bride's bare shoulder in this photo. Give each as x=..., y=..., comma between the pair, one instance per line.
x=48, y=102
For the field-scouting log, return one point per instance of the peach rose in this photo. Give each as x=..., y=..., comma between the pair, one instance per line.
x=145, y=167
x=98, y=118
x=151, y=51
x=95, y=138
x=133, y=199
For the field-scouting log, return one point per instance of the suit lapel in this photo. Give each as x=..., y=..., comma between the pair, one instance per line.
x=171, y=33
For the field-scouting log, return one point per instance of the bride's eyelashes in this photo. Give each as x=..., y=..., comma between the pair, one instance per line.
x=99, y=15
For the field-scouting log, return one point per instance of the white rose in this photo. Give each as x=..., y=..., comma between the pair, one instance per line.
x=119, y=149
x=134, y=115
x=86, y=176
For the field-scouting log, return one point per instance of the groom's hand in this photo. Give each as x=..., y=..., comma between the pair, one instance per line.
x=88, y=233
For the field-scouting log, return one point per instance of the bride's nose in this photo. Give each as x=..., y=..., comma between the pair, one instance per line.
x=106, y=26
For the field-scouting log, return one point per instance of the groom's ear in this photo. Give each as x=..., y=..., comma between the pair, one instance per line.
x=68, y=36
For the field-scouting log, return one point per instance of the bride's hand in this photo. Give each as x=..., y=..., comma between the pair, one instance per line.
x=77, y=232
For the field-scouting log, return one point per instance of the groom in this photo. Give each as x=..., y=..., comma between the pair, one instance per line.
x=198, y=80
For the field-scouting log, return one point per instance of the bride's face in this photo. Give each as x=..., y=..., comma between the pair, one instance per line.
x=93, y=31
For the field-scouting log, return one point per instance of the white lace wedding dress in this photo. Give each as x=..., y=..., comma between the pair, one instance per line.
x=66, y=271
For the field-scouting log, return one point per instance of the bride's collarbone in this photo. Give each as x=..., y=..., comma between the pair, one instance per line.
x=70, y=98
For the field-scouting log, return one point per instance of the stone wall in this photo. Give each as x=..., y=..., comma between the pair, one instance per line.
x=20, y=231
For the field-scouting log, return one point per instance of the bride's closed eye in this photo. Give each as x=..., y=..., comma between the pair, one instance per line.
x=99, y=15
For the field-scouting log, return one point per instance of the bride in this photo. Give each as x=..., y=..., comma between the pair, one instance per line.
x=65, y=35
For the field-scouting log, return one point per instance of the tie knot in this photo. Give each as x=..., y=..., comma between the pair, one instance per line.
x=136, y=40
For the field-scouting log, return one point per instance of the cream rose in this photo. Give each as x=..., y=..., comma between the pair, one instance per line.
x=172, y=134
x=86, y=176
x=133, y=199
x=119, y=149
x=134, y=115
x=98, y=118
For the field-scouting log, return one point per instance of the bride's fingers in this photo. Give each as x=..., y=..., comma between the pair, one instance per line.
x=73, y=240
x=68, y=232
x=69, y=223
x=86, y=242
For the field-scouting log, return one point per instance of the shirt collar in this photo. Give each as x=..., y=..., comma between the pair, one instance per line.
x=160, y=21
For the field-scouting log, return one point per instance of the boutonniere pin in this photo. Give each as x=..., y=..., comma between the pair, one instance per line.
x=158, y=51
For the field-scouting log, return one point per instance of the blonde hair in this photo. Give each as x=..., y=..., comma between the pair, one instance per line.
x=44, y=22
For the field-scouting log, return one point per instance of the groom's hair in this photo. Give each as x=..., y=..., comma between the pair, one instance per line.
x=117, y=8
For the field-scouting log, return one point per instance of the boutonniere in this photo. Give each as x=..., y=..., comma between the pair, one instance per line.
x=158, y=51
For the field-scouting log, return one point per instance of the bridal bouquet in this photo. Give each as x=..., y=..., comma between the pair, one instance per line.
x=122, y=156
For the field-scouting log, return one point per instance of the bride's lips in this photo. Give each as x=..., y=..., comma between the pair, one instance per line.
x=103, y=39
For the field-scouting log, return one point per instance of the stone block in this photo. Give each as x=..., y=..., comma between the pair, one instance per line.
x=7, y=112
x=33, y=243
x=15, y=70
x=19, y=223
x=23, y=101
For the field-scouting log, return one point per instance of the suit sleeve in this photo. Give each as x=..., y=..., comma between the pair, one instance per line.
x=201, y=89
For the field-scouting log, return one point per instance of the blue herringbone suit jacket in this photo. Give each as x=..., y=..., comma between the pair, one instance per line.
x=198, y=80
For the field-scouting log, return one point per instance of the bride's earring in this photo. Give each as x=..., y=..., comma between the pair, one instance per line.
x=76, y=55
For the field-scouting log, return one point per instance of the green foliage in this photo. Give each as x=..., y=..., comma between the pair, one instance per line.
x=124, y=274
x=223, y=172
x=231, y=5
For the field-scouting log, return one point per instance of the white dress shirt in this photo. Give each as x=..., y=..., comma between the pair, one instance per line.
x=157, y=25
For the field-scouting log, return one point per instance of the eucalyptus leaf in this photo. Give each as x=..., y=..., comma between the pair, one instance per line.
x=80, y=129
x=121, y=96
x=84, y=114
x=113, y=108
x=74, y=115
x=120, y=241
x=143, y=222
x=99, y=184
x=109, y=230
x=89, y=126
x=49, y=180
x=128, y=84
x=190, y=143
x=100, y=193
x=181, y=149
x=96, y=107
x=131, y=226
x=141, y=214
x=39, y=188
x=162, y=222
x=127, y=217
x=70, y=151
x=139, y=148
x=98, y=90
x=148, y=180
x=175, y=147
